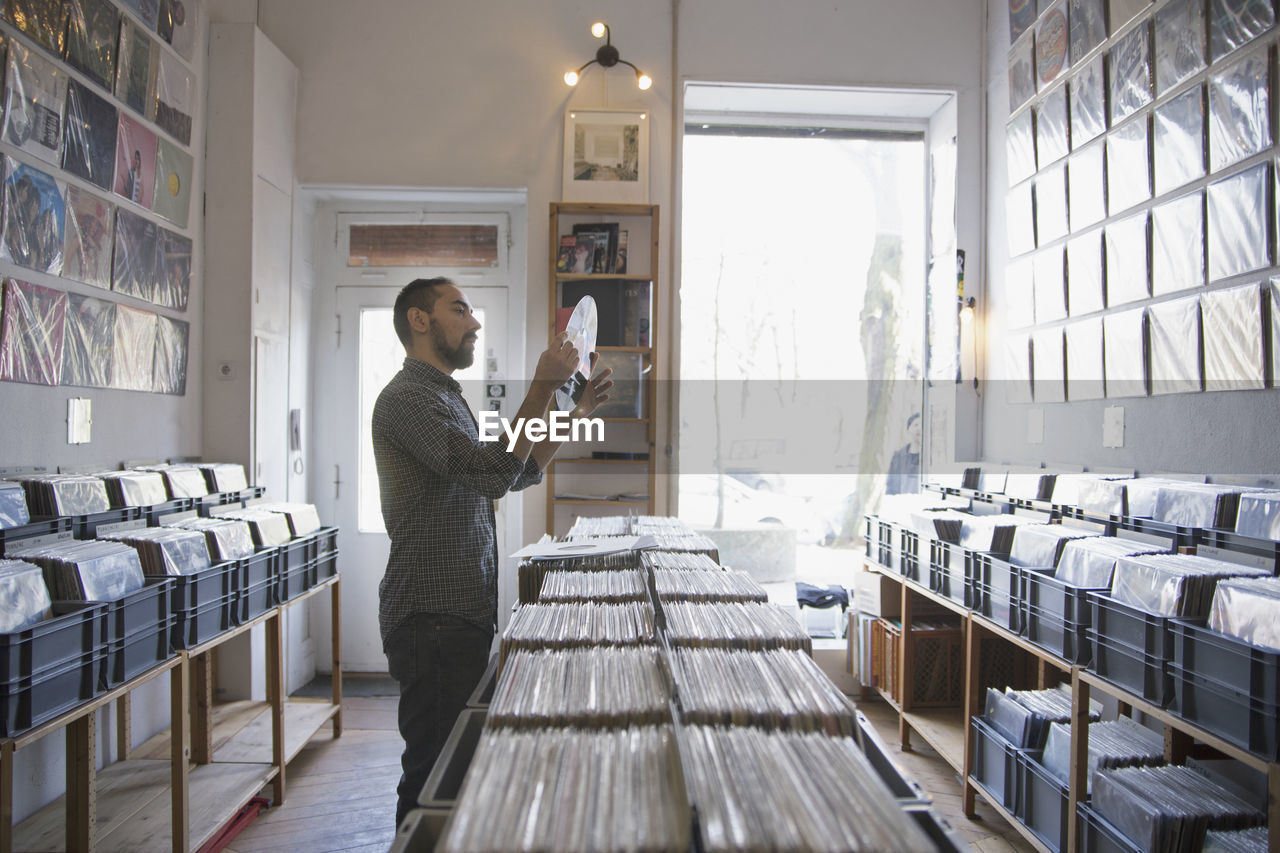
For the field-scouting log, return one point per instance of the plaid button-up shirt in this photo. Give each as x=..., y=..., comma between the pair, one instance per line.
x=438, y=483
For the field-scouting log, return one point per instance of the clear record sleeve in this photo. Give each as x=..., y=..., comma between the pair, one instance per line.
x=1121, y=12
x=1239, y=110
x=1233, y=351
x=1258, y=515
x=1019, y=285
x=1237, y=223
x=136, y=71
x=25, y=596
x=1051, y=127
x=135, y=162
x=1040, y=545
x=1127, y=260
x=1050, y=289
x=172, y=196
x=133, y=350
x=1247, y=609
x=133, y=269
x=89, y=342
x=1090, y=563
x=1022, y=16
x=175, y=98
x=1087, y=201
x=89, y=136
x=1125, y=353
x=1128, y=165
x=177, y=23
x=1084, y=273
x=1020, y=145
x=35, y=89
x=1088, y=22
x=1016, y=367
x=1052, y=40
x=43, y=20
x=1179, y=140
x=1049, y=378
x=32, y=333
x=92, y=28
x=1175, y=346
x=173, y=270
x=1196, y=504
x=1022, y=74
x=169, y=370
x=1130, y=68
x=1084, y=359
x=148, y=11
x=1234, y=23
x=1020, y=214
x=1177, y=244
x=34, y=218
x=86, y=247
x=13, y=505
x=1272, y=288
x=134, y=488
x=1051, y=204
x=1179, y=33
x=1087, y=100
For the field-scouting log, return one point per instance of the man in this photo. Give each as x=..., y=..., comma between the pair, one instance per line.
x=439, y=598
x=904, y=467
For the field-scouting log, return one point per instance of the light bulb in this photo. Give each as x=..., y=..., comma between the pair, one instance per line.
x=644, y=81
x=966, y=313
x=571, y=78
x=597, y=30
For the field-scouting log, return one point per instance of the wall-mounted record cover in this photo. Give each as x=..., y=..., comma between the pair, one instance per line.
x=34, y=218
x=1022, y=14
x=1128, y=166
x=1127, y=260
x=1124, y=11
x=133, y=349
x=1236, y=226
x=43, y=20
x=1084, y=359
x=1239, y=111
x=1175, y=346
x=86, y=253
x=34, y=92
x=1022, y=71
x=169, y=371
x=1051, y=127
x=1233, y=23
x=1051, y=204
x=148, y=11
x=1177, y=244
x=1020, y=144
x=1015, y=368
x=1088, y=102
x=88, y=342
x=1124, y=353
x=1179, y=42
x=1020, y=219
x=1273, y=292
x=135, y=162
x=1130, y=72
x=177, y=25
x=1019, y=290
x=1051, y=44
x=172, y=198
x=1233, y=352
x=89, y=140
x=136, y=74
x=1046, y=360
x=1179, y=140
x=133, y=266
x=1086, y=187
x=1051, y=298
x=1088, y=22
x=173, y=270
x=93, y=28
x=1084, y=274
x=31, y=334
x=175, y=98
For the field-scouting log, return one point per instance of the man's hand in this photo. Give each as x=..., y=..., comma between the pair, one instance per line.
x=556, y=364
x=597, y=390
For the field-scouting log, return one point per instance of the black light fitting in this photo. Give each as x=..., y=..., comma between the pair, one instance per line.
x=607, y=56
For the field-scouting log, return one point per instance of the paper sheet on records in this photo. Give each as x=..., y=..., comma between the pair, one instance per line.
x=584, y=547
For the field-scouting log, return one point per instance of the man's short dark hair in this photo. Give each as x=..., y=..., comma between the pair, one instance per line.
x=915, y=416
x=420, y=293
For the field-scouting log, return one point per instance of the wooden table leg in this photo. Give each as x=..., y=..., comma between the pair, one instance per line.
x=201, y=677
x=124, y=727
x=1079, y=781
x=180, y=755
x=972, y=689
x=1273, y=806
x=81, y=801
x=335, y=592
x=6, y=797
x=906, y=677
x=275, y=696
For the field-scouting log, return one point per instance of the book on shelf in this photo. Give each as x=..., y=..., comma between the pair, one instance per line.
x=606, y=244
x=635, y=314
x=620, y=256
x=564, y=260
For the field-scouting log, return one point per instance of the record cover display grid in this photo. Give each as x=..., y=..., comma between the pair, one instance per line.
x=99, y=101
x=1172, y=168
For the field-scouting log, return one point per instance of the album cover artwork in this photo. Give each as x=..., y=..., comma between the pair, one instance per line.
x=133, y=267
x=172, y=197
x=135, y=162
x=175, y=98
x=43, y=20
x=133, y=349
x=31, y=333
x=86, y=253
x=169, y=370
x=177, y=25
x=1022, y=14
x=88, y=342
x=34, y=217
x=35, y=90
x=93, y=27
x=1088, y=26
x=147, y=10
x=173, y=268
x=89, y=138
x=136, y=74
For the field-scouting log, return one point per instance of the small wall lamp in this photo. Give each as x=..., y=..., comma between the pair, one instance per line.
x=607, y=57
x=966, y=310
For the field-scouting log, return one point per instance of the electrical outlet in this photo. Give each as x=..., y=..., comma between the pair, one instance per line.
x=226, y=370
x=1113, y=426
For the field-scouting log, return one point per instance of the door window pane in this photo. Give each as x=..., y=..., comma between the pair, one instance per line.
x=423, y=246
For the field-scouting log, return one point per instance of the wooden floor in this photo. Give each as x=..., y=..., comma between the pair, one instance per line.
x=342, y=793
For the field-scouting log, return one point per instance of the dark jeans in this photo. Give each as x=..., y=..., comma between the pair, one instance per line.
x=438, y=660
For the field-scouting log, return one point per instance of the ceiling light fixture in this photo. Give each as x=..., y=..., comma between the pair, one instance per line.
x=607, y=56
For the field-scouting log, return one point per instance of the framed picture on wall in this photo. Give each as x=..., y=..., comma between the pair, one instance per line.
x=606, y=156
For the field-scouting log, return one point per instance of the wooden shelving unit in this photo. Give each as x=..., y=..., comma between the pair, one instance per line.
x=175, y=791
x=564, y=482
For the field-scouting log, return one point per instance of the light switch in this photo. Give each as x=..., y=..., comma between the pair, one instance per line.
x=79, y=420
x=1113, y=426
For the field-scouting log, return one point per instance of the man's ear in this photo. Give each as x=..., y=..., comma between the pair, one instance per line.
x=419, y=320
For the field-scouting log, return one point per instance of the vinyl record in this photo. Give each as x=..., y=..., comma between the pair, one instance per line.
x=581, y=330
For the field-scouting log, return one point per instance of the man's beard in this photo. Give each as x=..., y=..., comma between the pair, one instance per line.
x=459, y=357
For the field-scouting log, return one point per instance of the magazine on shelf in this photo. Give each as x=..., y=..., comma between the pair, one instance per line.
x=606, y=234
x=35, y=90
x=635, y=314
x=564, y=260
x=620, y=257
x=583, y=254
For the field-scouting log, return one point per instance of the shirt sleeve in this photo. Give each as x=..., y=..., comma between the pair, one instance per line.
x=425, y=428
x=531, y=475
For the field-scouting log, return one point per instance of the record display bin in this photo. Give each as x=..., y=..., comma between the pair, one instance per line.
x=936, y=828
x=1056, y=616
x=76, y=631
x=31, y=700
x=445, y=779
x=218, y=581
x=908, y=792
x=141, y=610
x=995, y=764
x=86, y=526
x=1044, y=802
x=326, y=540
x=1265, y=552
x=37, y=527
x=888, y=537
x=326, y=566
x=156, y=512
x=870, y=530
x=998, y=590
x=1131, y=669
x=197, y=625
x=419, y=831
x=1095, y=835
x=908, y=556
x=252, y=601
x=298, y=552
x=1136, y=629
x=483, y=694
x=129, y=656
x=291, y=583
x=205, y=505
x=1172, y=535
x=261, y=567
x=951, y=569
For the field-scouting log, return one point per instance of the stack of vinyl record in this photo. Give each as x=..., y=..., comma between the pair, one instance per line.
x=226, y=538
x=992, y=533
x=1179, y=585
x=135, y=488
x=654, y=560
x=1102, y=494
x=13, y=505
x=24, y=596
x=87, y=571
x=1168, y=808
x=778, y=689
x=589, y=528
x=303, y=518
x=1197, y=505
x=733, y=625
x=1141, y=494
x=223, y=476
x=687, y=543
x=1237, y=840
x=659, y=525
x=65, y=494
x=1090, y=563
x=1259, y=515
x=944, y=524
x=899, y=509
x=1118, y=743
x=166, y=550
x=614, y=587
x=1040, y=545
x=588, y=687
x=791, y=791
x=578, y=790
x=1247, y=609
x=182, y=481
x=697, y=585
x=1024, y=716
x=269, y=528
x=530, y=573
x=549, y=626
